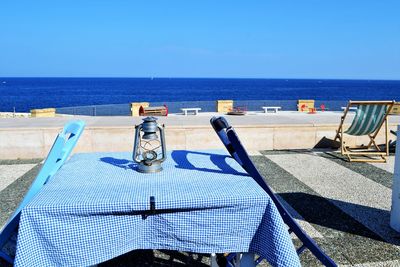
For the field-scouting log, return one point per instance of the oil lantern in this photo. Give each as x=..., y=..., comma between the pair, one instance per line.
x=149, y=149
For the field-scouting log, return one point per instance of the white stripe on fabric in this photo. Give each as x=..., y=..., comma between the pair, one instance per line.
x=380, y=118
x=365, y=116
x=357, y=120
x=371, y=117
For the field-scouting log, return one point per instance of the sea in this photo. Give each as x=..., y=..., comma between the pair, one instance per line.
x=23, y=94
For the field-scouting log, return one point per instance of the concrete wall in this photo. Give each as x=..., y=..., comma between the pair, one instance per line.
x=36, y=142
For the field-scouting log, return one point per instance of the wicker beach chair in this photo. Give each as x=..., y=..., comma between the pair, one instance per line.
x=232, y=143
x=59, y=153
x=368, y=121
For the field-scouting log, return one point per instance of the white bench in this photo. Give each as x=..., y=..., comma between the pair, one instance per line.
x=187, y=110
x=354, y=109
x=273, y=109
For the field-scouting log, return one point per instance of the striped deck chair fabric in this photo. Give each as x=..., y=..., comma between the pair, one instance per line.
x=368, y=120
x=59, y=153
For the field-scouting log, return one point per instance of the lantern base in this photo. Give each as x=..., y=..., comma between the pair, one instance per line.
x=149, y=168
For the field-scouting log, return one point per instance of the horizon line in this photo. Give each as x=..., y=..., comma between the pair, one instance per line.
x=165, y=77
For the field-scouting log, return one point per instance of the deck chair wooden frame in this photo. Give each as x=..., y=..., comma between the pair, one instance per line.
x=59, y=153
x=370, y=117
x=232, y=143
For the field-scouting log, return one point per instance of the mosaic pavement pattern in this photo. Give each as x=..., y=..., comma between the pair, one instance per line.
x=344, y=206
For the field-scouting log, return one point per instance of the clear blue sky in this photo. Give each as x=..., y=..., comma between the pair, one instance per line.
x=265, y=39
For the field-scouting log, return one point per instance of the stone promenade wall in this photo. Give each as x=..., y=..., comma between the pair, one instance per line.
x=36, y=142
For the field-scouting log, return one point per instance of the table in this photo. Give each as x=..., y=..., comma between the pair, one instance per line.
x=274, y=109
x=186, y=110
x=97, y=207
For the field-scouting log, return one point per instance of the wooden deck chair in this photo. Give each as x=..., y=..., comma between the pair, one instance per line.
x=232, y=143
x=369, y=119
x=59, y=152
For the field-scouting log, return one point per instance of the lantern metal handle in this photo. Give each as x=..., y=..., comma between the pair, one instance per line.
x=162, y=137
x=136, y=144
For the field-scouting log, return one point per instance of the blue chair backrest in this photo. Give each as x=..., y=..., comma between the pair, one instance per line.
x=232, y=143
x=59, y=153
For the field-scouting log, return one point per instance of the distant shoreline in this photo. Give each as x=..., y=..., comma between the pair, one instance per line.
x=200, y=78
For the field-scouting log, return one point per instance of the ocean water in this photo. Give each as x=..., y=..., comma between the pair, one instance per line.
x=24, y=94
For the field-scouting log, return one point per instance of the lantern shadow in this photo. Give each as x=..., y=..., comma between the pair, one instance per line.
x=181, y=159
x=120, y=163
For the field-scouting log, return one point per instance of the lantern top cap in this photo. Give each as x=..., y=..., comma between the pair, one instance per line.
x=150, y=119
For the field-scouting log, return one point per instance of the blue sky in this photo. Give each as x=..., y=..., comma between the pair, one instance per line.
x=261, y=39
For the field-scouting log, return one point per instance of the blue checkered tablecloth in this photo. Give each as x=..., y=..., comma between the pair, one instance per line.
x=92, y=211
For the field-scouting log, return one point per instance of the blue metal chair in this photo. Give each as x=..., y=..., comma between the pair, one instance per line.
x=59, y=153
x=232, y=143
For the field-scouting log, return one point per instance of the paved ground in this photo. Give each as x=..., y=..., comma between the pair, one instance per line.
x=252, y=118
x=344, y=206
